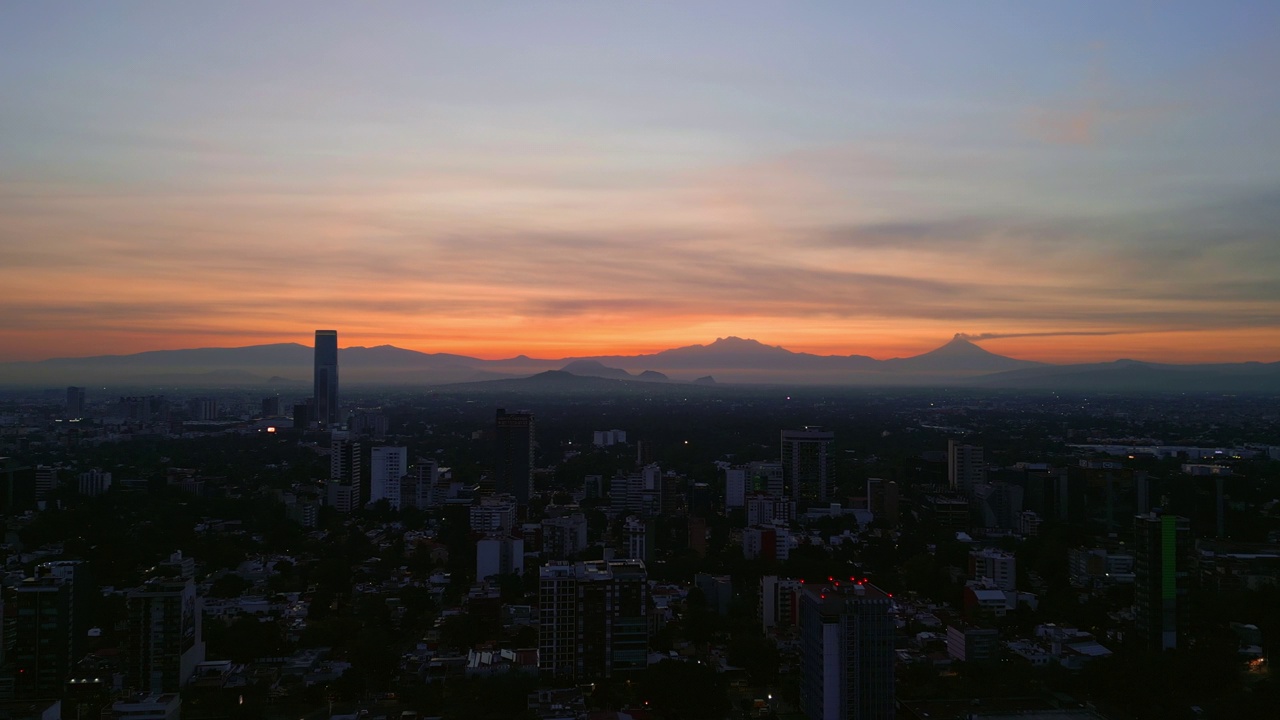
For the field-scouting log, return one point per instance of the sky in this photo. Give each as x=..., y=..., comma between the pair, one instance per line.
x=1062, y=181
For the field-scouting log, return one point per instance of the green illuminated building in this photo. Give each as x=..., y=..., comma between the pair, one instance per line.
x=1162, y=544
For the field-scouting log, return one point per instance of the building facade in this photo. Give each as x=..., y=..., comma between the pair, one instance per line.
x=39, y=636
x=998, y=566
x=593, y=619
x=779, y=602
x=346, y=479
x=165, y=642
x=564, y=537
x=807, y=464
x=324, y=402
x=75, y=403
x=965, y=467
x=513, y=459
x=94, y=482
x=499, y=554
x=847, y=657
x=1161, y=554
x=387, y=466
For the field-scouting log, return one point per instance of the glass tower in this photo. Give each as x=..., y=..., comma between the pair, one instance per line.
x=326, y=378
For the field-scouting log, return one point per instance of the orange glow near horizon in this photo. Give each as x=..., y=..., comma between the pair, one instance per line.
x=716, y=254
x=1175, y=347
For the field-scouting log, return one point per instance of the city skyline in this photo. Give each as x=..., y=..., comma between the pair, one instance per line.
x=1076, y=183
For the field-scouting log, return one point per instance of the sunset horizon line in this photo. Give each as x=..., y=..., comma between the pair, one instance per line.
x=584, y=350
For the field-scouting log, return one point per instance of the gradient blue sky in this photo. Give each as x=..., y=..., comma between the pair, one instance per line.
x=1096, y=180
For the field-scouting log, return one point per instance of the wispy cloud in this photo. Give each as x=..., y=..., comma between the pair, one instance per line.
x=979, y=337
x=1081, y=115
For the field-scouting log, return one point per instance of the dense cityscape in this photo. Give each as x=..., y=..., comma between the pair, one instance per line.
x=567, y=547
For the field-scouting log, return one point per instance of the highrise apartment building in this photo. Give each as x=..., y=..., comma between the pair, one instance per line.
x=420, y=487
x=39, y=635
x=593, y=619
x=387, y=466
x=1161, y=558
x=965, y=467
x=325, y=395
x=641, y=491
x=165, y=642
x=84, y=596
x=346, y=491
x=846, y=646
x=513, y=459
x=807, y=463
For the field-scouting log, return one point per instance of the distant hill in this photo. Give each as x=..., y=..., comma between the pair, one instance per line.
x=729, y=359
x=282, y=354
x=1123, y=376
x=251, y=365
x=561, y=383
x=595, y=368
x=738, y=354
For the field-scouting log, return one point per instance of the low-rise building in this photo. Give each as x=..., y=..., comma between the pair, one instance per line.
x=159, y=706
x=972, y=643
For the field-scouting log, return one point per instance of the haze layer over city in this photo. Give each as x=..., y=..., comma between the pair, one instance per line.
x=593, y=361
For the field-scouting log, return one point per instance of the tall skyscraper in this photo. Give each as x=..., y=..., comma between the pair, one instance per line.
x=1161, y=552
x=846, y=647
x=387, y=466
x=965, y=467
x=513, y=460
x=75, y=402
x=593, y=619
x=325, y=403
x=806, y=463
